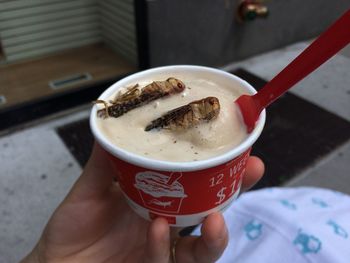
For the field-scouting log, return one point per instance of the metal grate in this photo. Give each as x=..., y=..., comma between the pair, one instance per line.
x=69, y=80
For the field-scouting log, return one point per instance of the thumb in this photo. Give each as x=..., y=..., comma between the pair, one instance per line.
x=158, y=242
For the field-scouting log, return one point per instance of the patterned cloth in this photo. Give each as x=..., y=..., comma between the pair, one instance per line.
x=288, y=225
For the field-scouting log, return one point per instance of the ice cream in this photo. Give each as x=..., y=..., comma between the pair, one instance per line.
x=198, y=143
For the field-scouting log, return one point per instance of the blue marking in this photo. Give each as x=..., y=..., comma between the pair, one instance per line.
x=338, y=230
x=288, y=204
x=253, y=230
x=319, y=202
x=307, y=243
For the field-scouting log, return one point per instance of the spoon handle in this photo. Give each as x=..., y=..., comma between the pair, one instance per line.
x=324, y=47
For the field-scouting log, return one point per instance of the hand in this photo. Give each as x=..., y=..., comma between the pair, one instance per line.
x=95, y=224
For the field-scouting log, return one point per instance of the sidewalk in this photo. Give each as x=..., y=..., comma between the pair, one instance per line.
x=37, y=169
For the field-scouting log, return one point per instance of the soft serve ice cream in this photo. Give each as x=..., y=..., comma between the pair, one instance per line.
x=201, y=142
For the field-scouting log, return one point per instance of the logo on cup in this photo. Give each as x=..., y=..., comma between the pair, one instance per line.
x=160, y=192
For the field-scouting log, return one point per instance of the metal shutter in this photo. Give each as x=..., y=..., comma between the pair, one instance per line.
x=33, y=28
x=118, y=27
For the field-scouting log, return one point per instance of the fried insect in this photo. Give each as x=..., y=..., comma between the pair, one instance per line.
x=135, y=97
x=188, y=115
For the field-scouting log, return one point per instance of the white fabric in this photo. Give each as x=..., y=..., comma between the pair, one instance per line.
x=288, y=225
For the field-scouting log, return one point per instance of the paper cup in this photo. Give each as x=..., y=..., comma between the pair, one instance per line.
x=182, y=192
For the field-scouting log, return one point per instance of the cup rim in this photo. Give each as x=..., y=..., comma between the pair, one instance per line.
x=161, y=165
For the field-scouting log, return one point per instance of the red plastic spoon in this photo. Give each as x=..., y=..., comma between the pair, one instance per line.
x=323, y=48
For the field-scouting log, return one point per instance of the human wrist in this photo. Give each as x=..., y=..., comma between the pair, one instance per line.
x=32, y=257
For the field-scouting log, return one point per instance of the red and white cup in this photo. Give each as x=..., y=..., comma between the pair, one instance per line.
x=182, y=192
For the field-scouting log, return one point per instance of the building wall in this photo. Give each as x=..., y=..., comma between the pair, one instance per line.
x=206, y=32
